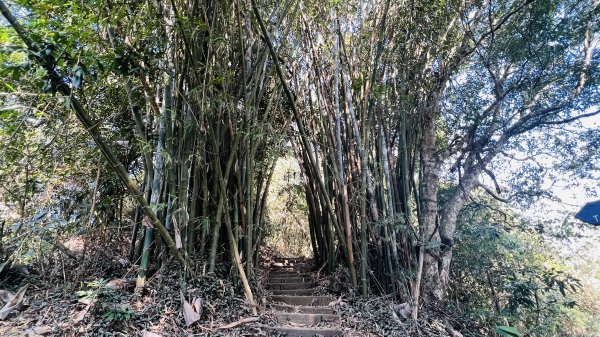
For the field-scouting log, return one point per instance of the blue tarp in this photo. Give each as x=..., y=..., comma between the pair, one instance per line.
x=590, y=213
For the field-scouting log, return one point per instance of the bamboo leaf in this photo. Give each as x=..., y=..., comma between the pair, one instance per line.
x=507, y=331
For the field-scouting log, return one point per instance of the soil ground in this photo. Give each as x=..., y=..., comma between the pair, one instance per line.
x=93, y=294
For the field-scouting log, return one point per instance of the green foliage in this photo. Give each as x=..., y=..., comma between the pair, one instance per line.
x=120, y=58
x=119, y=314
x=47, y=166
x=507, y=331
x=96, y=286
x=534, y=290
x=287, y=211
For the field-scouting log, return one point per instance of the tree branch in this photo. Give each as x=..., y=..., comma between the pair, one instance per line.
x=492, y=193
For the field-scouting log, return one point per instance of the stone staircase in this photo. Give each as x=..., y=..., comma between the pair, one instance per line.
x=293, y=303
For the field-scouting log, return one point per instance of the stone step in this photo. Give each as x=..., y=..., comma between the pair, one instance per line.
x=291, y=279
x=294, y=292
x=303, y=300
x=303, y=332
x=291, y=285
x=288, y=276
x=282, y=265
x=290, y=259
x=280, y=271
x=284, y=271
x=305, y=319
x=303, y=309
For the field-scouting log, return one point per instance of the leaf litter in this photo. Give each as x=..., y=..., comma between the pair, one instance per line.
x=95, y=296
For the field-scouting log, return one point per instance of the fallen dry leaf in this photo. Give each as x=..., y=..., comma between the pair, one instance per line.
x=15, y=303
x=197, y=304
x=150, y=334
x=38, y=330
x=404, y=309
x=395, y=317
x=6, y=295
x=86, y=300
x=78, y=317
x=114, y=283
x=189, y=313
x=455, y=333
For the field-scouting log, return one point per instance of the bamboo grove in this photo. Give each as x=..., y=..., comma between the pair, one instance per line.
x=382, y=103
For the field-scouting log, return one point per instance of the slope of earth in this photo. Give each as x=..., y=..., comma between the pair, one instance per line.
x=304, y=303
x=91, y=292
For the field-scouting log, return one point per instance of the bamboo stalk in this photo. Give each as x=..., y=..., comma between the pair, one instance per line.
x=92, y=128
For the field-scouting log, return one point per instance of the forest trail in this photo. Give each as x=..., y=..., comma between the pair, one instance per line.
x=294, y=302
x=433, y=153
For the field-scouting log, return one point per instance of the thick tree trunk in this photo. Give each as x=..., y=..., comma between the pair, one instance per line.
x=428, y=190
x=448, y=221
